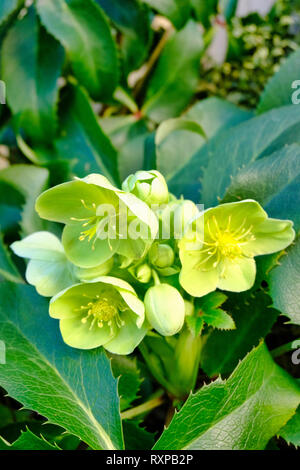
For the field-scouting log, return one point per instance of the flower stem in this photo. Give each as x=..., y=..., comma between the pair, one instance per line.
x=145, y=407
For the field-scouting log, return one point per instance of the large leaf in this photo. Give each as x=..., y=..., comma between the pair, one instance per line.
x=226, y=153
x=8, y=270
x=73, y=389
x=133, y=20
x=273, y=182
x=253, y=318
x=284, y=282
x=32, y=61
x=215, y=114
x=176, y=141
x=178, y=11
x=27, y=441
x=83, y=140
x=167, y=95
x=278, y=91
x=243, y=412
x=82, y=28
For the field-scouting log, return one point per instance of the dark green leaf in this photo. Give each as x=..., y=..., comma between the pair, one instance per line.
x=71, y=388
x=8, y=270
x=128, y=373
x=284, y=282
x=227, y=8
x=133, y=20
x=83, y=140
x=225, y=154
x=243, y=412
x=272, y=181
x=279, y=90
x=166, y=95
x=8, y=8
x=208, y=308
x=291, y=431
x=31, y=64
x=136, y=437
x=82, y=28
x=253, y=318
x=27, y=441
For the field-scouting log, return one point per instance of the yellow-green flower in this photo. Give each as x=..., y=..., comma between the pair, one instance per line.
x=220, y=252
x=99, y=219
x=105, y=312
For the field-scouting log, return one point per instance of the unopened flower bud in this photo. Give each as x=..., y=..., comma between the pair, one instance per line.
x=149, y=186
x=143, y=273
x=161, y=255
x=164, y=309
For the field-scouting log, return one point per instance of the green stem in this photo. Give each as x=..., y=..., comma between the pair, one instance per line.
x=284, y=348
x=155, y=277
x=145, y=407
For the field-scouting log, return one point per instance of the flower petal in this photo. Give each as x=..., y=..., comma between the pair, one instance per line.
x=66, y=304
x=81, y=253
x=127, y=337
x=79, y=335
x=197, y=282
x=270, y=236
x=50, y=277
x=237, y=275
x=41, y=246
x=63, y=202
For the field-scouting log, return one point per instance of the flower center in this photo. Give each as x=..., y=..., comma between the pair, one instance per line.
x=223, y=241
x=96, y=226
x=102, y=309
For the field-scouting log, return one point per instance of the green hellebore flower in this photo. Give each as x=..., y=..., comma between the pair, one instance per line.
x=100, y=220
x=161, y=255
x=48, y=269
x=149, y=186
x=105, y=312
x=165, y=309
x=220, y=253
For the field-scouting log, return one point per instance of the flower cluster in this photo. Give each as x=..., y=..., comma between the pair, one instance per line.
x=134, y=259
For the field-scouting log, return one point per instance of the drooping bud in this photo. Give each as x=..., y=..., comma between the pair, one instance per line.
x=161, y=255
x=149, y=186
x=164, y=309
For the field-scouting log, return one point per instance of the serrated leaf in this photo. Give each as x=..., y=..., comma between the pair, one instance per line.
x=72, y=388
x=279, y=91
x=242, y=413
x=82, y=140
x=272, y=181
x=284, y=283
x=291, y=431
x=126, y=370
x=32, y=61
x=167, y=96
x=225, y=154
x=27, y=441
x=253, y=317
x=177, y=11
x=208, y=309
x=136, y=437
x=8, y=270
x=83, y=30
